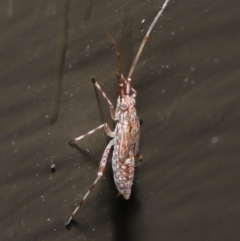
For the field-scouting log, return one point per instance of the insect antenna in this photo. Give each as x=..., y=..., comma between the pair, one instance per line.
x=121, y=78
x=145, y=40
x=118, y=58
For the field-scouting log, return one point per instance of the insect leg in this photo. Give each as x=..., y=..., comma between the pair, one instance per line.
x=99, y=175
x=112, y=111
x=104, y=126
x=140, y=159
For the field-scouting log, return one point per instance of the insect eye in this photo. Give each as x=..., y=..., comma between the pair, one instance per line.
x=124, y=106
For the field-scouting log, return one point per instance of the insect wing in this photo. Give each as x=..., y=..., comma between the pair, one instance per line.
x=125, y=142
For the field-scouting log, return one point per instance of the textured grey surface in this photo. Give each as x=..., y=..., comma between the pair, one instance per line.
x=188, y=98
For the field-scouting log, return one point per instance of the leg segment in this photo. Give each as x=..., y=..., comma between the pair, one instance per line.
x=112, y=111
x=140, y=159
x=99, y=175
x=104, y=126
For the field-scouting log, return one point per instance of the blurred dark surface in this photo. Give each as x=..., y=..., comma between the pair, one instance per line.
x=187, y=79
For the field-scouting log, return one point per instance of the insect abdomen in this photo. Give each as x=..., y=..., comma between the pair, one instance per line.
x=123, y=173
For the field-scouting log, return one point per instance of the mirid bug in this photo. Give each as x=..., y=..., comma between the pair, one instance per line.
x=126, y=134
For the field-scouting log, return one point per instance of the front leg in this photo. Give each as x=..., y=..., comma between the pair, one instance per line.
x=104, y=126
x=112, y=110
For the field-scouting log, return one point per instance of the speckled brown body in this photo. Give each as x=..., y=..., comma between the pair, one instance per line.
x=126, y=146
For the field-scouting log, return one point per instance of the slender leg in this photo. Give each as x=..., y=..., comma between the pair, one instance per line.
x=99, y=175
x=140, y=159
x=104, y=126
x=112, y=111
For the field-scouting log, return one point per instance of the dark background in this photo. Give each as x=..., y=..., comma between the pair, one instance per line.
x=187, y=79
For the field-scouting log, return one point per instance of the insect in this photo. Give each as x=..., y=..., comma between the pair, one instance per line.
x=125, y=137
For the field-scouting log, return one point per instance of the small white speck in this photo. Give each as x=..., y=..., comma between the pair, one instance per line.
x=43, y=199
x=143, y=21
x=215, y=139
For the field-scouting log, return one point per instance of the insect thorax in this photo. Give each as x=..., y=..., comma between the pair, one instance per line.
x=125, y=110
